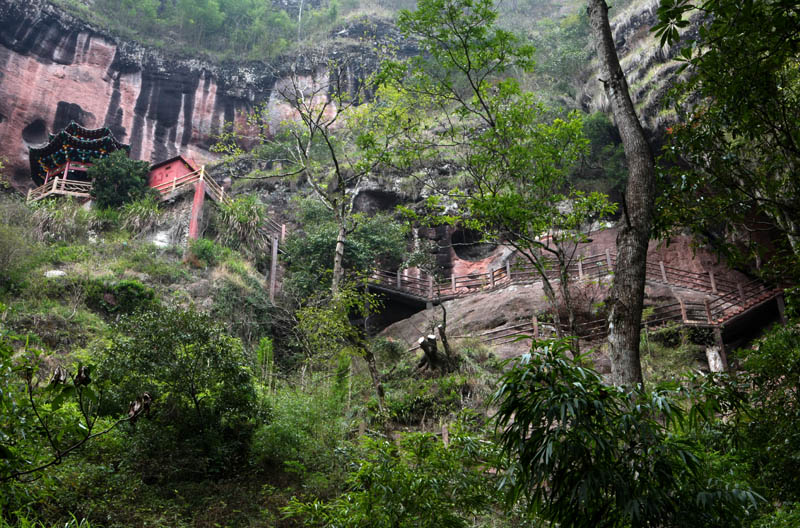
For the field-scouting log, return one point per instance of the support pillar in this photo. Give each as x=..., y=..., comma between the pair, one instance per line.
x=197, y=209
x=781, y=308
x=273, y=270
x=663, y=271
x=721, y=344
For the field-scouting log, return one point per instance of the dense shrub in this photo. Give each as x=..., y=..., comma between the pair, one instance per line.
x=205, y=253
x=123, y=297
x=304, y=431
x=584, y=454
x=417, y=482
x=117, y=179
x=377, y=240
x=17, y=247
x=201, y=386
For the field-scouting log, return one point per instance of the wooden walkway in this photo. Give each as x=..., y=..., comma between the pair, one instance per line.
x=725, y=300
x=61, y=186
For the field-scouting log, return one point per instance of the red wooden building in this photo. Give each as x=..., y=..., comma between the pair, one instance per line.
x=170, y=172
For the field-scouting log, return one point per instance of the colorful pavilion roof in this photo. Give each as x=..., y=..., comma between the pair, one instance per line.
x=73, y=143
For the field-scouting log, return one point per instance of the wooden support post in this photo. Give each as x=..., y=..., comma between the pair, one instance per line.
x=663, y=271
x=430, y=287
x=491, y=277
x=713, y=282
x=453, y=283
x=781, y=308
x=273, y=270
x=283, y=232
x=535, y=327
x=683, y=310
x=445, y=435
x=708, y=312
x=29, y=195
x=608, y=260
x=399, y=279
x=197, y=210
x=508, y=271
x=55, y=184
x=741, y=293
x=580, y=269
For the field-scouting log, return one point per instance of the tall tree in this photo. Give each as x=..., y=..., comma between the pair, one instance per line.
x=516, y=159
x=627, y=293
x=335, y=144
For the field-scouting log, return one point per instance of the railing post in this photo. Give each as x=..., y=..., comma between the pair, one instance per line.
x=580, y=269
x=453, y=282
x=683, y=310
x=508, y=270
x=608, y=260
x=55, y=184
x=708, y=312
x=430, y=287
x=713, y=282
x=283, y=232
x=399, y=279
x=781, y=308
x=29, y=195
x=741, y=292
x=491, y=277
x=663, y=271
x=535, y=327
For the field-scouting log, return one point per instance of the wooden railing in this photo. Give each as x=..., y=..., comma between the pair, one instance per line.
x=61, y=186
x=423, y=285
x=730, y=299
x=178, y=184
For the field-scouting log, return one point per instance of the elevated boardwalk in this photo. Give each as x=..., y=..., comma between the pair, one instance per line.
x=724, y=302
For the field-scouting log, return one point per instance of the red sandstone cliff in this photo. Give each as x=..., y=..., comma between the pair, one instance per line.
x=56, y=68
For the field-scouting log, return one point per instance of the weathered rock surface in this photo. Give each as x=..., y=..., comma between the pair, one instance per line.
x=57, y=68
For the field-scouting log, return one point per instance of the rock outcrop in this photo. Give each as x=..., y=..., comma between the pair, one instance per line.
x=57, y=68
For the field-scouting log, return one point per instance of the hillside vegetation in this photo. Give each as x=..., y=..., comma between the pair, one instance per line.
x=147, y=383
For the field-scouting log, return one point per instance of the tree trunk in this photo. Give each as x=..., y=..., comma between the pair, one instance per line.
x=372, y=366
x=338, y=258
x=627, y=293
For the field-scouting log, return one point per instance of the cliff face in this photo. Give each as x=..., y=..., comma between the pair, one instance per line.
x=648, y=67
x=57, y=68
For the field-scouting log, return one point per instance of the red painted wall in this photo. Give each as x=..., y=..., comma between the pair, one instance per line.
x=167, y=172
